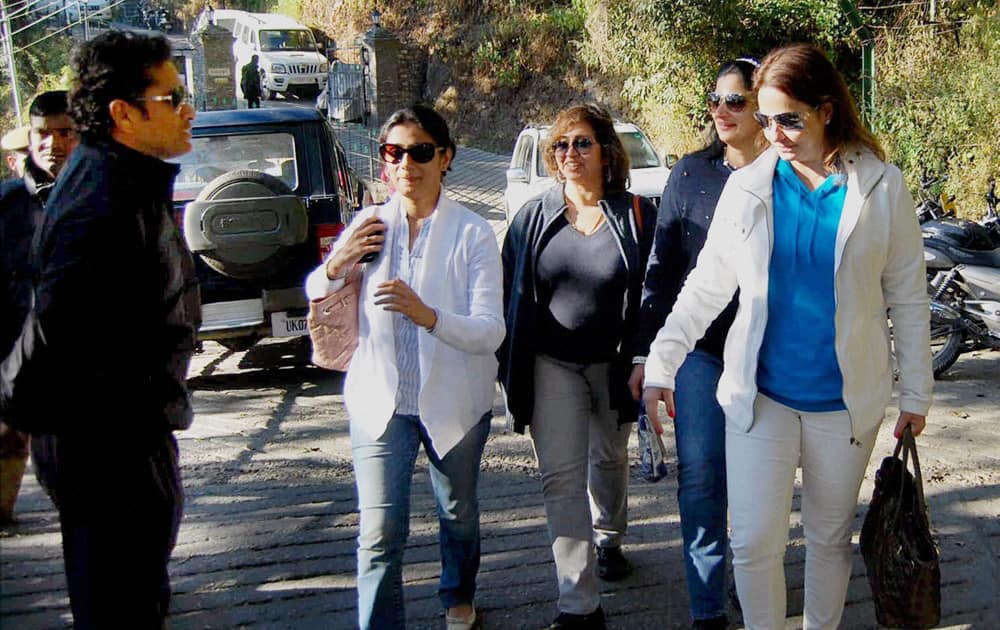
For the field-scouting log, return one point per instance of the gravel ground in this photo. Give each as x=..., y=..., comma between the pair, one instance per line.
x=268, y=535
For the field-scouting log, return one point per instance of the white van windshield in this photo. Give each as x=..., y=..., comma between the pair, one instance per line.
x=287, y=40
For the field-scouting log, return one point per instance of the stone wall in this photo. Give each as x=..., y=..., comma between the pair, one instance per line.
x=412, y=73
x=214, y=82
x=395, y=76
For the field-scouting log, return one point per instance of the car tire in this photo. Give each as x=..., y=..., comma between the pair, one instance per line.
x=258, y=239
x=265, y=93
x=237, y=344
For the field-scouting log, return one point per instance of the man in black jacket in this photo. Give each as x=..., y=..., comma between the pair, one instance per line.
x=250, y=83
x=49, y=140
x=117, y=302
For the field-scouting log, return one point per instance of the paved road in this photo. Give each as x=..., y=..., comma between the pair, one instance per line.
x=268, y=535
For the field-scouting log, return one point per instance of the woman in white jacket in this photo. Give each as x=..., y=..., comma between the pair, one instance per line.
x=429, y=322
x=820, y=237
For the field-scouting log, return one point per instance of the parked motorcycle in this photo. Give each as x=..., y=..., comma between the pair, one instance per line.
x=931, y=207
x=963, y=266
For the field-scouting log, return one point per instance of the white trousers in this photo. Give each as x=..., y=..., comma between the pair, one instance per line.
x=760, y=468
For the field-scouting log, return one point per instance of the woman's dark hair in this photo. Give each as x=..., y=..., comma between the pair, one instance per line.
x=803, y=72
x=427, y=119
x=617, y=169
x=113, y=65
x=743, y=68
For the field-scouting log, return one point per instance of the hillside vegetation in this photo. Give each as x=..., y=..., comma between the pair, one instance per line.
x=497, y=64
x=494, y=65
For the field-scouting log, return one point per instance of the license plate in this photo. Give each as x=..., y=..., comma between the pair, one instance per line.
x=285, y=325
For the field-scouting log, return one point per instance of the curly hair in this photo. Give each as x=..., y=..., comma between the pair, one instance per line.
x=804, y=72
x=612, y=150
x=113, y=65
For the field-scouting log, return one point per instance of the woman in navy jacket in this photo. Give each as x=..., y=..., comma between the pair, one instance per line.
x=686, y=211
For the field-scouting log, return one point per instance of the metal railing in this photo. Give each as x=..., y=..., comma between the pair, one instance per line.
x=361, y=146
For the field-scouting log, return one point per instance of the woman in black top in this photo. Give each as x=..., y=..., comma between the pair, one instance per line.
x=573, y=260
x=686, y=210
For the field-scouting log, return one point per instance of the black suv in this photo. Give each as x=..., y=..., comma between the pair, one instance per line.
x=260, y=197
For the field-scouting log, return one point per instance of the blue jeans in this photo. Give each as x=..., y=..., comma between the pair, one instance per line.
x=383, y=470
x=700, y=430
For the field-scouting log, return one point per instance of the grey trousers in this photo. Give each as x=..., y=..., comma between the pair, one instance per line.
x=583, y=459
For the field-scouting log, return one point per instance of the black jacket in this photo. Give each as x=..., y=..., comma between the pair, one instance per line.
x=686, y=211
x=250, y=80
x=117, y=299
x=520, y=255
x=21, y=204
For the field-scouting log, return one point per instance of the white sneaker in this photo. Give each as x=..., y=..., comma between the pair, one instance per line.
x=462, y=623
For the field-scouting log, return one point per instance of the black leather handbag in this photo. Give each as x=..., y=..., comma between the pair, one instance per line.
x=896, y=544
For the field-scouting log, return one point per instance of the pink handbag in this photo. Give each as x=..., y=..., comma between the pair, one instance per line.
x=333, y=324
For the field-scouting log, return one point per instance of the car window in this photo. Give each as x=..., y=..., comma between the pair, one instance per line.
x=540, y=164
x=522, y=153
x=287, y=39
x=211, y=156
x=641, y=153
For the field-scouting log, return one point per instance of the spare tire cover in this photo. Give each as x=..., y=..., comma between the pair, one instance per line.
x=244, y=224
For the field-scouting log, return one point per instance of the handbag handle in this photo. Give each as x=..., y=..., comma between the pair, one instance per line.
x=908, y=445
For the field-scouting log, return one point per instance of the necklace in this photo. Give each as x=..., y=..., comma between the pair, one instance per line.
x=573, y=218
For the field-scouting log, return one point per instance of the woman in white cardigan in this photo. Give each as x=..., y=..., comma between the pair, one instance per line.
x=429, y=321
x=820, y=237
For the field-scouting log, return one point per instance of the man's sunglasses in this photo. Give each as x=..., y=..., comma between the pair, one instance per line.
x=734, y=102
x=420, y=153
x=177, y=97
x=789, y=121
x=582, y=146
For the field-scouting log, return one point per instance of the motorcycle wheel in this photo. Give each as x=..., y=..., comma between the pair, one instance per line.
x=946, y=343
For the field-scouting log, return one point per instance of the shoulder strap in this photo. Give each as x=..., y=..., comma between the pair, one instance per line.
x=637, y=214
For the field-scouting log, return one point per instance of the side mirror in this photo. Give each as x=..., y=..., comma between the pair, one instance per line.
x=670, y=159
x=517, y=176
x=319, y=45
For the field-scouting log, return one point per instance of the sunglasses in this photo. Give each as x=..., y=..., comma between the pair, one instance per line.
x=734, y=102
x=420, y=153
x=177, y=97
x=788, y=121
x=583, y=146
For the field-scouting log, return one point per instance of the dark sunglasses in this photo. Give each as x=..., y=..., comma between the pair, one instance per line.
x=789, y=121
x=420, y=153
x=735, y=102
x=582, y=146
x=177, y=97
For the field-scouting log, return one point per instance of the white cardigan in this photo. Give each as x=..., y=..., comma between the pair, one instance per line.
x=461, y=278
x=879, y=266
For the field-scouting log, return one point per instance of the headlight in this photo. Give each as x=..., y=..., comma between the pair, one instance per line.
x=278, y=68
x=323, y=67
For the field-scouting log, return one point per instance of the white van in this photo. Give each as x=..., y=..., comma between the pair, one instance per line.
x=288, y=56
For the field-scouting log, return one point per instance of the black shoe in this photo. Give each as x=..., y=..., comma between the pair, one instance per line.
x=734, y=601
x=569, y=621
x=611, y=564
x=715, y=623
